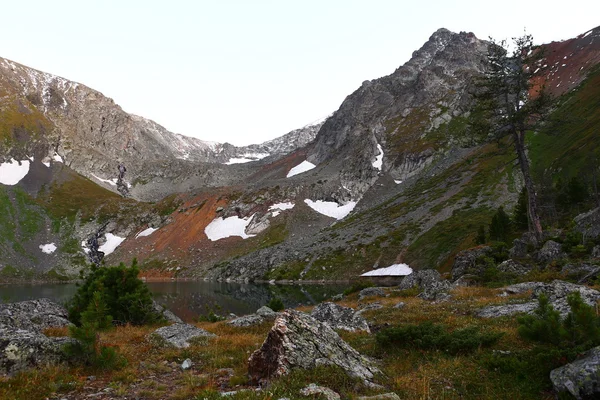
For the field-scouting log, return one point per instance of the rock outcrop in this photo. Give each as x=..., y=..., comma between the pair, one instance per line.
x=33, y=315
x=466, y=261
x=339, y=317
x=581, y=378
x=550, y=251
x=299, y=341
x=180, y=335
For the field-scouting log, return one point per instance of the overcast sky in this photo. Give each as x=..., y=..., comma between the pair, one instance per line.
x=250, y=70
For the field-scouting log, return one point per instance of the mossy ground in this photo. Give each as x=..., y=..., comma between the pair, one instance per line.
x=154, y=372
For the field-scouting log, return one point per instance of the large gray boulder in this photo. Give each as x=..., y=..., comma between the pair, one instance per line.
x=588, y=223
x=23, y=349
x=166, y=313
x=246, y=320
x=33, y=315
x=550, y=251
x=519, y=249
x=371, y=292
x=266, y=313
x=179, y=335
x=423, y=278
x=467, y=261
x=339, y=317
x=581, y=378
x=297, y=340
x=512, y=267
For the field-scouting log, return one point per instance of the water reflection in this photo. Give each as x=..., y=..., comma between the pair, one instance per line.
x=190, y=299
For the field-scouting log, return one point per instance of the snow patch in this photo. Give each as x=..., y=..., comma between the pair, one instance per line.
x=331, y=208
x=239, y=161
x=112, y=242
x=146, y=232
x=300, y=168
x=379, y=158
x=397, y=182
x=112, y=182
x=220, y=228
x=58, y=158
x=392, y=270
x=12, y=172
x=46, y=163
x=282, y=206
x=84, y=247
x=48, y=248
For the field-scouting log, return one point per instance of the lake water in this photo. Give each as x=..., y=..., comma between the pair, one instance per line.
x=192, y=298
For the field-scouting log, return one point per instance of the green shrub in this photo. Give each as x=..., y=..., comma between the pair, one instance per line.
x=211, y=315
x=430, y=336
x=480, y=238
x=358, y=286
x=276, y=304
x=500, y=226
x=127, y=298
x=87, y=349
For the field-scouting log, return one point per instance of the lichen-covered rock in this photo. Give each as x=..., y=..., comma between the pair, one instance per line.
x=166, y=314
x=578, y=271
x=266, y=313
x=519, y=249
x=33, y=315
x=550, y=251
x=506, y=310
x=436, y=291
x=423, y=278
x=246, y=320
x=596, y=252
x=371, y=292
x=512, y=267
x=314, y=390
x=588, y=223
x=297, y=340
x=581, y=378
x=466, y=261
x=22, y=349
x=384, y=396
x=179, y=335
x=339, y=317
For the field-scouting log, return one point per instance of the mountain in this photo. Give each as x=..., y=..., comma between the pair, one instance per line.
x=394, y=175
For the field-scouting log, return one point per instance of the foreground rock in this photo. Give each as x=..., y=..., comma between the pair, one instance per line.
x=557, y=292
x=246, y=320
x=550, y=251
x=299, y=341
x=581, y=378
x=21, y=349
x=339, y=317
x=33, y=315
x=371, y=292
x=467, y=261
x=314, y=390
x=166, y=314
x=430, y=282
x=179, y=335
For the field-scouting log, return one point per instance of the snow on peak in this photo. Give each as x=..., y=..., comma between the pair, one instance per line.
x=300, y=168
x=331, y=208
x=378, y=163
x=392, y=270
x=13, y=171
x=112, y=242
x=48, y=248
x=220, y=228
x=276, y=209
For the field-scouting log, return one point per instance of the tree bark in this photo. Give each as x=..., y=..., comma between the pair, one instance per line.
x=534, y=217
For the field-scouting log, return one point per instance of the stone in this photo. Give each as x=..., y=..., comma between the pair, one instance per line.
x=512, y=267
x=578, y=270
x=167, y=314
x=179, y=335
x=246, y=320
x=266, y=313
x=581, y=378
x=596, y=251
x=33, y=315
x=368, y=307
x=384, y=396
x=339, y=317
x=297, y=340
x=436, y=291
x=371, y=292
x=338, y=297
x=519, y=249
x=588, y=223
x=314, y=390
x=466, y=261
x=550, y=251
x=187, y=364
x=22, y=349
x=400, y=305
x=422, y=278
x=506, y=310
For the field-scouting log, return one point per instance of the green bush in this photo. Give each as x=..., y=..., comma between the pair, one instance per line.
x=430, y=336
x=580, y=329
x=87, y=349
x=211, y=315
x=275, y=304
x=127, y=298
x=500, y=226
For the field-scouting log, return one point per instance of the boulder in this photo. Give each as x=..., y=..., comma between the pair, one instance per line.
x=339, y=317
x=266, y=313
x=550, y=251
x=596, y=252
x=246, y=320
x=466, y=261
x=179, y=335
x=371, y=292
x=297, y=340
x=519, y=249
x=422, y=278
x=368, y=307
x=436, y=291
x=507, y=309
x=384, y=396
x=581, y=378
x=400, y=305
x=512, y=267
x=588, y=223
x=578, y=271
x=166, y=314
x=23, y=349
x=314, y=390
x=33, y=315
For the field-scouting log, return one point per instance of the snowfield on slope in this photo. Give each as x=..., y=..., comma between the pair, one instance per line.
x=112, y=242
x=300, y=168
x=378, y=163
x=220, y=228
x=12, y=172
x=392, y=270
x=48, y=248
x=146, y=232
x=331, y=208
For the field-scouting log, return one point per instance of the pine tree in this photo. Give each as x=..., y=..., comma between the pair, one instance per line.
x=520, y=219
x=500, y=226
x=480, y=238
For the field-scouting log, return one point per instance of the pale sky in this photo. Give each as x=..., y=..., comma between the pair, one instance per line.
x=250, y=70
